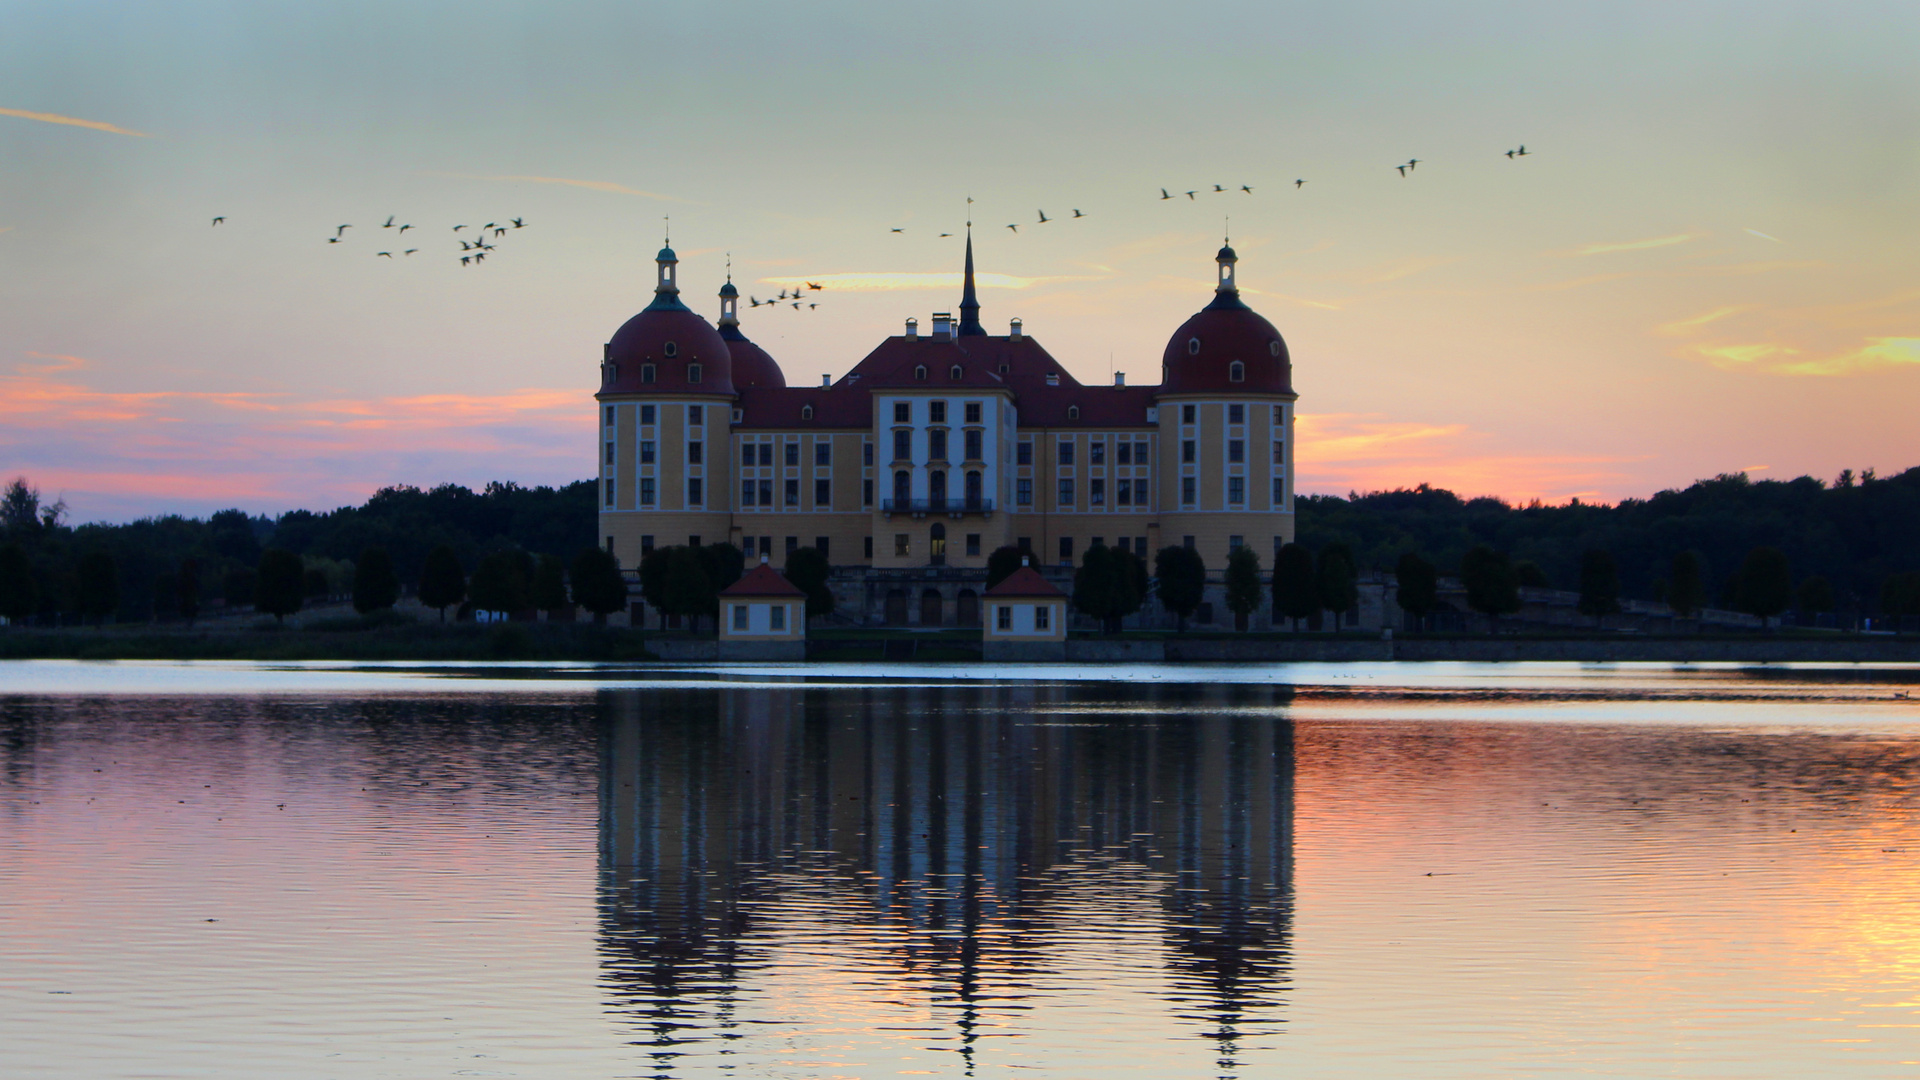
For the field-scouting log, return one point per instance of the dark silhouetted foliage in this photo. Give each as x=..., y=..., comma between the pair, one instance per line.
x=96, y=586
x=1686, y=585
x=1243, y=584
x=1599, y=585
x=19, y=598
x=1296, y=592
x=1418, y=587
x=550, y=585
x=375, y=586
x=1491, y=588
x=503, y=582
x=279, y=584
x=1181, y=580
x=598, y=584
x=807, y=569
x=1002, y=563
x=1764, y=586
x=443, y=581
x=1337, y=581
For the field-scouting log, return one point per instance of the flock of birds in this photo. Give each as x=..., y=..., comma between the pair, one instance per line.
x=473, y=248
x=796, y=299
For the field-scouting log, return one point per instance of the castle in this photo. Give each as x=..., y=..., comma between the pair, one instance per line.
x=938, y=447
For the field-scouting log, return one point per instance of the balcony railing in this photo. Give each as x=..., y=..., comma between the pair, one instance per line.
x=937, y=506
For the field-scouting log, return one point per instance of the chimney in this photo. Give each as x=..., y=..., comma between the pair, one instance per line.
x=913, y=329
x=1014, y=334
x=826, y=380
x=1053, y=378
x=1119, y=378
x=764, y=558
x=1023, y=560
x=942, y=326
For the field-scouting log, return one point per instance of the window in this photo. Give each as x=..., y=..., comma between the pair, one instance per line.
x=693, y=373
x=820, y=544
x=609, y=492
x=903, y=412
x=1126, y=544
x=1003, y=619
x=609, y=453
x=1187, y=542
x=937, y=486
x=866, y=454
x=937, y=544
x=1066, y=551
x=793, y=544
x=954, y=373
x=1139, y=453
x=1073, y=412
x=693, y=453
x=1023, y=454
x=1124, y=495
x=693, y=415
x=646, y=491
x=1279, y=491
x=646, y=373
x=1123, y=453
x=1235, y=543
x=1273, y=348
x=902, y=545
x=1279, y=452
x=973, y=489
x=973, y=412
x=777, y=617
x=610, y=413
x=1236, y=451
x=1066, y=492
x=937, y=444
x=671, y=349
x=1236, y=372
x=1279, y=416
x=1187, y=413
x=1193, y=346
x=1236, y=490
x=903, y=446
x=869, y=546
x=1096, y=492
x=646, y=544
x=1186, y=451
x=1097, y=452
x=746, y=494
x=920, y=372
x=766, y=493
x=694, y=495
x=793, y=453
x=806, y=412
x=902, y=489
x=1066, y=452
x=738, y=415
x=973, y=445
x=646, y=452
x=793, y=493
x=866, y=493
x=822, y=452
x=1187, y=490
x=646, y=414
x=1041, y=616
x=936, y=412
x=739, y=616
x=1236, y=414
x=822, y=493
x=1023, y=492
x=693, y=540
x=973, y=543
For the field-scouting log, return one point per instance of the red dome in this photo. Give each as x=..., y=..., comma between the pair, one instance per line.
x=1201, y=354
x=672, y=339
x=751, y=364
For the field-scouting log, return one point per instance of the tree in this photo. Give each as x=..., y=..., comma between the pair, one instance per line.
x=724, y=564
x=1337, y=581
x=1764, y=586
x=1528, y=575
x=1180, y=575
x=188, y=584
x=18, y=594
x=1686, y=587
x=96, y=586
x=808, y=570
x=653, y=576
x=314, y=580
x=1002, y=563
x=598, y=584
x=503, y=582
x=550, y=586
x=375, y=586
x=1491, y=587
x=279, y=584
x=443, y=582
x=237, y=587
x=1599, y=585
x=688, y=591
x=1296, y=593
x=231, y=532
x=1243, y=585
x=1103, y=587
x=1419, y=587
x=1814, y=596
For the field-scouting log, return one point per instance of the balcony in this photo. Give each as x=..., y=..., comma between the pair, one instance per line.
x=950, y=507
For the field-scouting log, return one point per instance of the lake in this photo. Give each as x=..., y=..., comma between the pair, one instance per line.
x=1360, y=870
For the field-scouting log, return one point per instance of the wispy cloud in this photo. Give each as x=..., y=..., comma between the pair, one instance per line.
x=1681, y=327
x=590, y=185
x=1635, y=245
x=1764, y=236
x=1880, y=354
x=55, y=118
x=894, y=282
x=53, y=361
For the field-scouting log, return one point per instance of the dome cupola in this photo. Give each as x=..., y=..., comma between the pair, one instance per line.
x=1227, y=347
x=751, y=364
x=667, y=348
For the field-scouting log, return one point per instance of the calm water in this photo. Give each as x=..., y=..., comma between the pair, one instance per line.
x=229, y=870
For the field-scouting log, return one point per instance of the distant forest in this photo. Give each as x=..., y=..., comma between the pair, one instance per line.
x=1856, y=532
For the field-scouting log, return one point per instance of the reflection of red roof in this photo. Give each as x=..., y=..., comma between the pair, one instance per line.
x=762, y=580
x=1025, y=581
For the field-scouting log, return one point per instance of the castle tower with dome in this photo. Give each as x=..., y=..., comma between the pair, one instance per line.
x=938, y=447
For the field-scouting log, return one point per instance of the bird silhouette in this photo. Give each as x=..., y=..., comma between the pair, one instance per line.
x=1509, y=153
x=220, y=219
x=488, y=225
x=341, y=229
x=796, y=305
x=1298, y=184
x=751, y=302
x=944, y=234
x=457, y=228
x=1403, y=170
x=409, y=251
x=1164, y=195
x=899, y=230
x=333, y=239
x=465, y=259
x=404, y=228
x=481, y=257
x=499, y=233
x=1246, y=189
x=1218, y=188
x=1523, y=149
x=384, y=254
x=815, y=286
x=1015, y=228
x=1044, y=218
x=389, y=223
x=812, y=306
x=1189, y=196
x=1411, y=162
x=1077, y=213
x=518, y=224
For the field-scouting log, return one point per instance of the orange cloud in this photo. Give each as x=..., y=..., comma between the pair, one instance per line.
x=55, y=118
x=1635, y=245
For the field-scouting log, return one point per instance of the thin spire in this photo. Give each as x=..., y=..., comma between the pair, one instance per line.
x=668, y=218
x=969, y=303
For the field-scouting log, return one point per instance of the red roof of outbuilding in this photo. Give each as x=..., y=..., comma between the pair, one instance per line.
x=1025, y=581
x=762, y=580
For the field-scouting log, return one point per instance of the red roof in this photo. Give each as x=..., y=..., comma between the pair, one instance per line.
x=1025, y=581
x=1226, y=330
x=751, y=364
x=762, y=580
x=643, y=340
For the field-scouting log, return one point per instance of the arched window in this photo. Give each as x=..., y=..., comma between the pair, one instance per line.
x=1273, y=348
x=646, y=373
x=1073, y=412
x=937, y=488
x=1193, y=346
x=671, y=349
x=806, y=412
x=920, y=372
x=973, y=489
x=1236, y=372
x=693, y=373
x=954, y=372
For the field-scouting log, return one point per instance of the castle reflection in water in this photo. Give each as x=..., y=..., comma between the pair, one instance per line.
x=952, y=834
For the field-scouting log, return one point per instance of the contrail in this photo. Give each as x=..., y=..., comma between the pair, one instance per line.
x=54, y=118
x=1764, y=236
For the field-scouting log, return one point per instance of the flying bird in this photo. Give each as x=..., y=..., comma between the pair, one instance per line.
x=465, y=259
x=1411, y=162
x=1523, y=150
x=384, y=254
x=488, y=225
x=1403, y=170
x=341, y=229
x=409, y=251
x=751, y=302
x=1246, y=189
x=1044, y=218
x=499, y=233
x=946, y=234
x=899, y=230
x=480, y=257
x=404, y=228
x=815, y=286
x=1164, y=195
x=1218, y=188
x=389, y=223
x=220, y=219
x=1298, y=184
x=1189, y=196
x=1015, y=228
x=812, y=306
x=518, y=224
x=457, y=228
x=1077, y=213
x=796, y=305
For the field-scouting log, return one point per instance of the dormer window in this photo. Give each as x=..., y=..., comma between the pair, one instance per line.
x=1193, y=346
x=646, y=373
x=670, y=349
x=1236, y=372
x=806, y=412
x=1053, y=378
x=1073, y=412
x=693, y=373
x=920, y=372
x=1273, y=348
x=1004, y=368
x=954, y=373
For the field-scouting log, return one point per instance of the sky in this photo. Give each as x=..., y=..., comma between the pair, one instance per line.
x=1702, y=265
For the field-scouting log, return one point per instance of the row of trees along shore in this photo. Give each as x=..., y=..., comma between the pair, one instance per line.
x=1847, y=546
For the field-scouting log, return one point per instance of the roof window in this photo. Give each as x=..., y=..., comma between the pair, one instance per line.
x=806, y=412
x=1236, y=372
x=920, y=372
x=1193, y=346
x=1053, y=378
x=646, y=373
x=1273, y=347
x=670, y=349
x=954, y=373
x=1073, y=412
x=693, y=373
